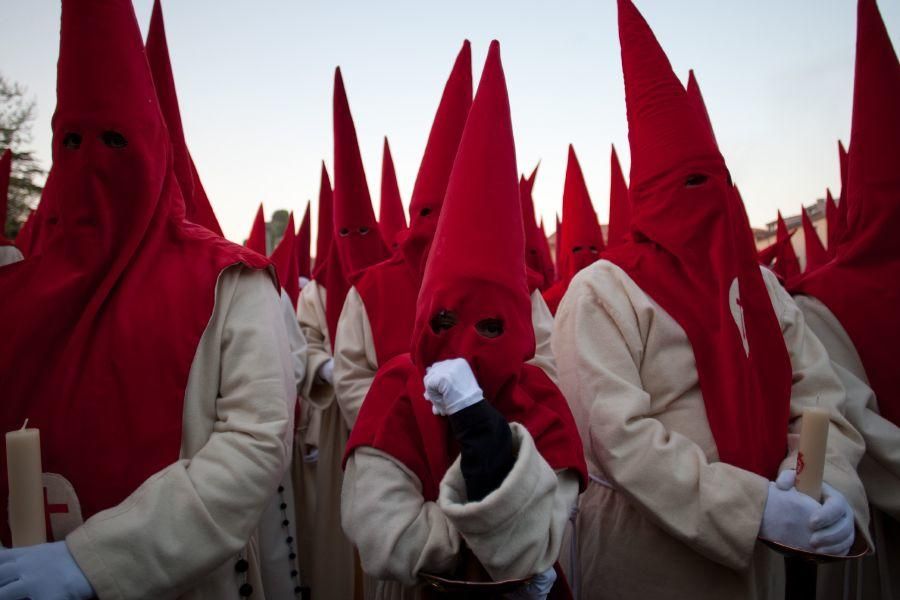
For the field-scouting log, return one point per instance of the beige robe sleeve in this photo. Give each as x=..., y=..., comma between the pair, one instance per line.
x=816, y=384
x=9, y=255
x=516, y=530
x=296, y=340
x=542, y=319
x=191, y=517
x=879, y=469
x=311, y=314
x=355, y=361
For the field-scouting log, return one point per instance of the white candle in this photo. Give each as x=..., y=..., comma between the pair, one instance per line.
x=811, y=459
x=26, y=491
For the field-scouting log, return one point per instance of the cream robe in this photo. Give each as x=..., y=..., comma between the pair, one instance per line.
x=879, y=468
x=329, y=561
x=665, y=518
x=356, y=363
x=179, y=533
x=515, y=531
x=9, y=255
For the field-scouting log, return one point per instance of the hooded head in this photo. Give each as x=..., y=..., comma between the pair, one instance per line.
x=534, y=256
x=324, y=224
x=437, y=161
x=391, y=218
x=301, y=247
x=619, y=204
x=474, y=300
x=582, y=238
x=356, y=231
x=257, y=239
x=284, y=257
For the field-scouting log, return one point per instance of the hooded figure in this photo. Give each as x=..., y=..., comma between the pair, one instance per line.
x=687, y=368
x=619, y=204
x=301, y=248
x=786, y=265
x=540, y=273
x=8, y=253
x=832, y=216
x=816, y=256
x=155, y=425
x=197, y=207
x=378, y=317
x=581, y=236
x=257, y=240
x=851, y=302
x=391, y=218
x=460, y=442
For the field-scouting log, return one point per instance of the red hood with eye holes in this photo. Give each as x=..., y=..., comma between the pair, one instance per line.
x=692, y=252
x=110, y=312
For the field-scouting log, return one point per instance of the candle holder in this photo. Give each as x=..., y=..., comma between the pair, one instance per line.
x=801, y=566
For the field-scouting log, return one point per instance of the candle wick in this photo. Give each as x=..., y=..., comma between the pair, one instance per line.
x=25, y=424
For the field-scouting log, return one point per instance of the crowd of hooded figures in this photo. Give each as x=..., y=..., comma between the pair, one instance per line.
x=444, y=409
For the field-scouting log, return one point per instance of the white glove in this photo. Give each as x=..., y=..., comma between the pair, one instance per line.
x=450, y=386
x=538, y=588
x=833, y=524
x=787, y=516
x=42, y=571
x=303, y=281
x=326, y=372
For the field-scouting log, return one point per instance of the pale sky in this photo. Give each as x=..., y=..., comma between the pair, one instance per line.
x=255, y=83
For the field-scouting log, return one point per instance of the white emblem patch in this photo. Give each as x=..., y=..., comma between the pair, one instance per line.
x=737, y=312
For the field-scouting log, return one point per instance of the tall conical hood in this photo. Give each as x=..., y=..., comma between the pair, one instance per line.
x=664, y=128
x=619, y=203
x=534, y=253
x=581, y=234
x=5, y=169
x=357, y=236
x=197, y=207
x=696, y=97
x=437, y=160
x=476, y=267
x=302, y=245
x=559, y=246
x=787, y=265
x=324, y=224
x=284, y=257
x=257, y=239
x=391, y=218
x=816, y=256
x=836, y=221
x=873, y=172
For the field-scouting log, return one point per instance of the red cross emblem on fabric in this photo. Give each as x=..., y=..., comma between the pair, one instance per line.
x=52, y=509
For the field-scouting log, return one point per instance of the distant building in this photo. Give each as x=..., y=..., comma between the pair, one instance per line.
x=766, y=237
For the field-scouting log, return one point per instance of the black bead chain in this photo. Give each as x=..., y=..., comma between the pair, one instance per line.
x=299, y=590
x=242, y=567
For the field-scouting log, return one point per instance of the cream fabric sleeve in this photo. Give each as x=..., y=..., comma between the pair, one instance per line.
x=713, y=507
x=816, y=384
x=296, y=340
x=516, y=530
x=397, y=533
x=879, y=468
x=9, y=255
x=195, y=514
x=311, y=316
x=355, y=361
x=542, y=319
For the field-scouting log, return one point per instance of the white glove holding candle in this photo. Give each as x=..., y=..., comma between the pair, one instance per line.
x=538, y=588
x=826, y=528
x=42, y=571
x=326, y=371
x=451, y=386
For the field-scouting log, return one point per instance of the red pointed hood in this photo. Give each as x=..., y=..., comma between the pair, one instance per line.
x=197, y=207
x=534, y=239
x=580, y=229
x=690, y=252
x=119, y=296
x=356, y=231
x=816, y=256
x=284, y=257
x=696, y=97
x=5, y=169
x=325, y=225
x=437, y=161
x=302, y=245
x=836, y=221
x=559, y=247
x=257, y=239
x=619, y=204
x=476, y=267
x=787, y=265
x=853, y=285
x=391, y=218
